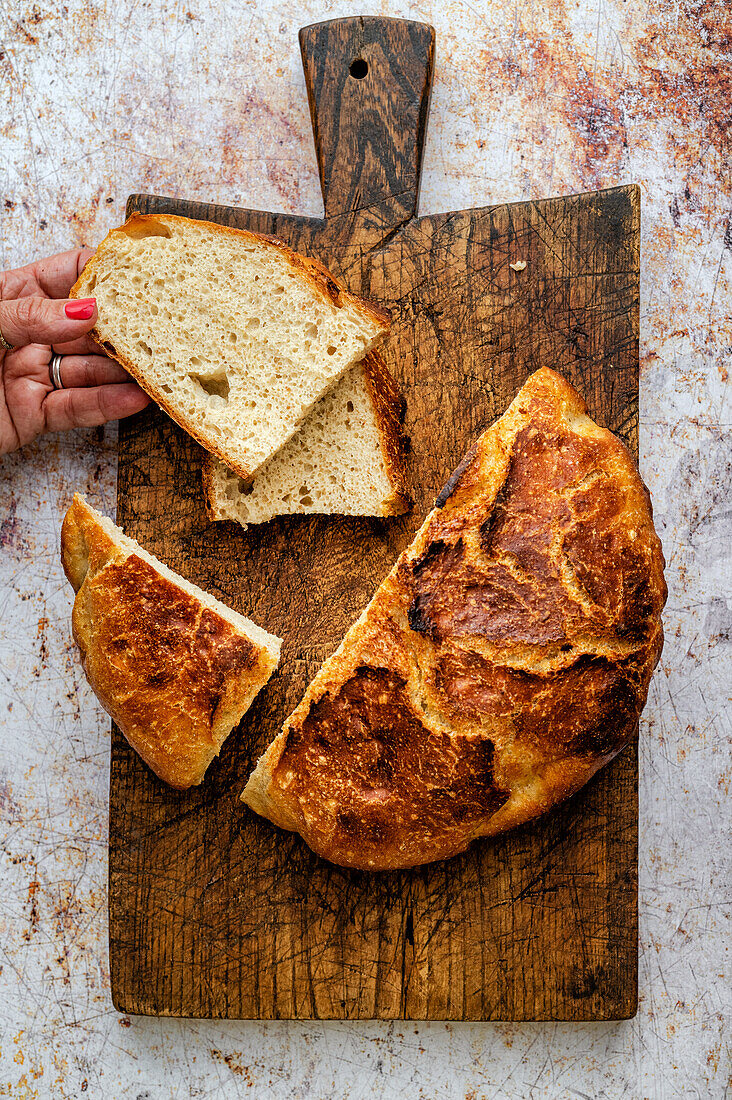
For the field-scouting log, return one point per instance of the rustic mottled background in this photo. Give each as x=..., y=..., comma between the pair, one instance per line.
x=532, y=97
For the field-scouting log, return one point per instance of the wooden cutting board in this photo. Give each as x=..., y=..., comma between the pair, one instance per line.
x=213, y=911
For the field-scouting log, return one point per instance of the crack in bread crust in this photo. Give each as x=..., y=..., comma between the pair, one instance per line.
x=506, y=657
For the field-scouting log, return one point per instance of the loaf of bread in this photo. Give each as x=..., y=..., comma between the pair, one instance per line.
x=347, y=458
x=173, y=666
x=505, y=658
x=233, y=334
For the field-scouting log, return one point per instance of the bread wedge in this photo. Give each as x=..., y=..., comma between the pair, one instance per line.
x=175, y=668
x=233, y=334
x=505, y=658
x=347, y=458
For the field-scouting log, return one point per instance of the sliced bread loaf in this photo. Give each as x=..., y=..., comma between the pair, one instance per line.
x=175, y=668
x=504, y=659
x=233, y=334
x=347, y=458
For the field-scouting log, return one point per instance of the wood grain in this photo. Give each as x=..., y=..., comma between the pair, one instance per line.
x=213, y=911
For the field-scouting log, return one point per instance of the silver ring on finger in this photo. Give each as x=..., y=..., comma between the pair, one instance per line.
x=54, y=372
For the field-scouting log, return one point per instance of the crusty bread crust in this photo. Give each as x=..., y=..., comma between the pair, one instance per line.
x=208, y=466
x=505, y=658
x=321, y=280
x=389, y=407
x=174, y=674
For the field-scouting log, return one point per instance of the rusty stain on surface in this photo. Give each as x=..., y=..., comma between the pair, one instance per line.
x=207, y=100
x=235, y=1064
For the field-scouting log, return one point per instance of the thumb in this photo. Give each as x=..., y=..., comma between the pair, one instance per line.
x=46, y=320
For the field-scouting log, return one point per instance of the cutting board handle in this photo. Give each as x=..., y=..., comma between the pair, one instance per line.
x=369, y=80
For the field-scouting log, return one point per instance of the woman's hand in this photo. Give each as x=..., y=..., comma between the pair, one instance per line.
x=37, y=319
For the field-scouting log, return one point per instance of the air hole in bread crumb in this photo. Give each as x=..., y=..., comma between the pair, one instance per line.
x=332, y=349
x=349, y=406
x=245, y=488
x=144, y=348
x=216, y=385
x=253, y=324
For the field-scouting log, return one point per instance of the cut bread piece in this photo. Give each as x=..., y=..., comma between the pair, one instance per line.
x=347, y=458
x=504, y=659
x=175, y=668
x=233, y=334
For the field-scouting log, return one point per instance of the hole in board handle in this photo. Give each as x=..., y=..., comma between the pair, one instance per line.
x=359, y=68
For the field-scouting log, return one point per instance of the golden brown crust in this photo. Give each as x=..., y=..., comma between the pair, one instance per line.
x=505, y=658
x=314, y=271
x=173, y=673
x=389, y=407
x=207, y=483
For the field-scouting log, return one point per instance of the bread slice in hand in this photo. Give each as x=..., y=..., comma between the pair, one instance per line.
x=347, y=458
x=504, y=659
x=233, y=334
x=174, y=668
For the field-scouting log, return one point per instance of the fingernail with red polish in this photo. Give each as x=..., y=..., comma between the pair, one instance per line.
x=81, y=310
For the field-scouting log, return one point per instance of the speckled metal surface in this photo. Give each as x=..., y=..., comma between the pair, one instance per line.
x=207, y=100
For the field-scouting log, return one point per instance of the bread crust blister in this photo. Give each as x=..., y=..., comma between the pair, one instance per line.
x=505, y=658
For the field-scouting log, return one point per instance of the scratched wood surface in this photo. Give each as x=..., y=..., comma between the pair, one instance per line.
x=213, y=911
